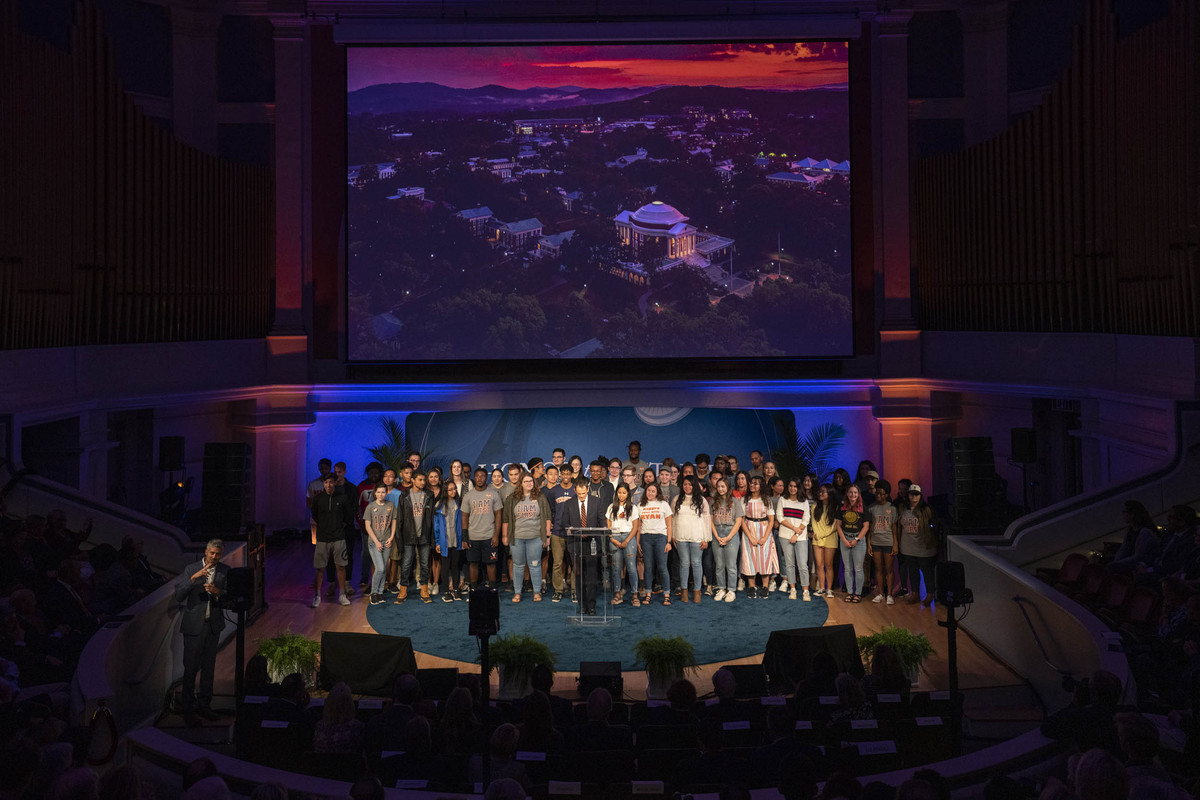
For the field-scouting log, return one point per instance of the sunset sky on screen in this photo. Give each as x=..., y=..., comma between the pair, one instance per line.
x=802, y=65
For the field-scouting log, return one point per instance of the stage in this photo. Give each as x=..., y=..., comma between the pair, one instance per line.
x=722, y=633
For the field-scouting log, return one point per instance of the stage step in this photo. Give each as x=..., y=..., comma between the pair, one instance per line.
x=1001, y=712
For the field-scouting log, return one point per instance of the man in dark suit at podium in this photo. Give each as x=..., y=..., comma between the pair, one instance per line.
x=586, y=511
x=202, y=622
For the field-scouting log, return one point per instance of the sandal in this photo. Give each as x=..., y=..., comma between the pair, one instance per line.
x=516, y=598
x=537, y=598
x=848, y=598
x=635, y=602
x=666, y=598
x=857, y=599
x=618, y=599
x=646, y=600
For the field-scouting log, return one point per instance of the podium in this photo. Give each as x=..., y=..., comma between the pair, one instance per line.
x=589, y=553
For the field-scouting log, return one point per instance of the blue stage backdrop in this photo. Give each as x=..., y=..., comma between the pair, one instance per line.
x=495, y=438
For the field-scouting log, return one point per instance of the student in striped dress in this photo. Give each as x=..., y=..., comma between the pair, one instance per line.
x=759, y=560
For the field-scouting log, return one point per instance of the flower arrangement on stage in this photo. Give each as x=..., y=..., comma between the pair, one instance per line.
x=290, y=652
x=911, y=648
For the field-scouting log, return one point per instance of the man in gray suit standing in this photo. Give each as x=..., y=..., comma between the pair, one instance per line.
x=200, y=594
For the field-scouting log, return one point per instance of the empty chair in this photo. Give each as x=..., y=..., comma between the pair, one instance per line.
x=860, y=730
x=602, y=766
x=1066, y=574
x=924, y=740
x=659, y=765
x=1140, y=616
x=662, y=737
x=1091, y=584
x=890, y=706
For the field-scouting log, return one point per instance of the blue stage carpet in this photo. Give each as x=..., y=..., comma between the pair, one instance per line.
x=719, y=631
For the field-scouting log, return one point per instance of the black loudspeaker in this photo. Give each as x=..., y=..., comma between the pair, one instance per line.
x=1024, y=445
x=170, y=453
x=437, y=683
x=789, y=653
x=367, y=662
x=483, y=612
x=239, y=589
x=750, y=680
x=601, y=675
x=948, y=576
x=226, y=491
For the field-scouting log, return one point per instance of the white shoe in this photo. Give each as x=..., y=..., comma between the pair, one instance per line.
x=741, y=584
x=343, y=600
x=792, y=593
x=877, y=599
x=891, y=601
x=729, y=596
x=829, y=593
x=316, y=601
x=433, y=589
x=807, y=596
x=719, y=596
x=782, y=586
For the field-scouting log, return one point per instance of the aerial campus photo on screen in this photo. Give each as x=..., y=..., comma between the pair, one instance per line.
x=598, y=201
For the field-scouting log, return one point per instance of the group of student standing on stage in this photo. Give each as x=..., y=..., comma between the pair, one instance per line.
x=680, y=531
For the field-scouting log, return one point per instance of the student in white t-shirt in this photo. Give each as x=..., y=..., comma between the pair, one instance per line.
x=654, y=532
x=622, y=545
x=793, y=512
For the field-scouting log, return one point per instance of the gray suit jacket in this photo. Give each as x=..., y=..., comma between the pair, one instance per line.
x=194, y=599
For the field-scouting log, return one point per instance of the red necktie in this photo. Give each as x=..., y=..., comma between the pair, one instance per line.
x=582, y=513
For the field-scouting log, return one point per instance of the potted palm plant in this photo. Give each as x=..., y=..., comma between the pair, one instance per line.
x=290, y=652
x=911, y=648
x=516, y=654
x=666, y=660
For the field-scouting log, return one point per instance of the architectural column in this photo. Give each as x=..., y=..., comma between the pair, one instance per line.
x=985, y=68
x=899, y=350
x=288, y=340
x=93, y=454
x=278, y=429
x=914, y=422
x=194, y=75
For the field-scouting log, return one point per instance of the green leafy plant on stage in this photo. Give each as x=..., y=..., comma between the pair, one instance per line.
x=911, y=648
x=814, y=452
x=290, y=652
x=520, y=653
x=391, y=451
x=665, y=657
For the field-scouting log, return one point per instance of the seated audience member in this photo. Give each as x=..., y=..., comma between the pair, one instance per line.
x=1098, y=775
x=208, y=789
x=269, y=791
x=64, y=603
x=783, y=747
x=798, y=779
x=385, y=731
x=852, y=700
x=17, y=564
x=887, y=674
x=80, y=783
x=542, y=680
x=841, y=785
x=596, y=733
x=713, y=765
x=680, y=708
x=145, y=579
x=502, y=751
x=941, y=786
x=727, y=708
x=61, y=642
x=257, y=680
x=1088, y=721
x=1138, y=738
x=916, y=789
x=339, y=730
x=367, y=788
x=35, y=667
x=504, y=789
x=197, y=771
x=416, y=761
x=291, y=706
x=1004, y=787
x=124, y=783
x=63, y=542
x=537, y=729
x=821, y=678
x=1179, y=543
x=1140, y=546
x=112, y=585
x=459, y=730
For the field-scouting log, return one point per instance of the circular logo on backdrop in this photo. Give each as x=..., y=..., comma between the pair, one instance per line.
x=660, y=417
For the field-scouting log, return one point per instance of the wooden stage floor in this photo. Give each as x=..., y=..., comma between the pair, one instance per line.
x=289, y=591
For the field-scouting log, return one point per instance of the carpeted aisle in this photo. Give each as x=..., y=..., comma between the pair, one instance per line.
x=718, y=631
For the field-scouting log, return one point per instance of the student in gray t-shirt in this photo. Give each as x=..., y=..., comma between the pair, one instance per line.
x=481, y=518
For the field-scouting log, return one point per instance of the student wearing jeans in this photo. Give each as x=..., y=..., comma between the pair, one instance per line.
x=525, y=529
x=727, y=514
x=853, y=526
x=622, y=545
x=379, y=521
x=793, y=516
x=693, y=531
x=654, y=541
